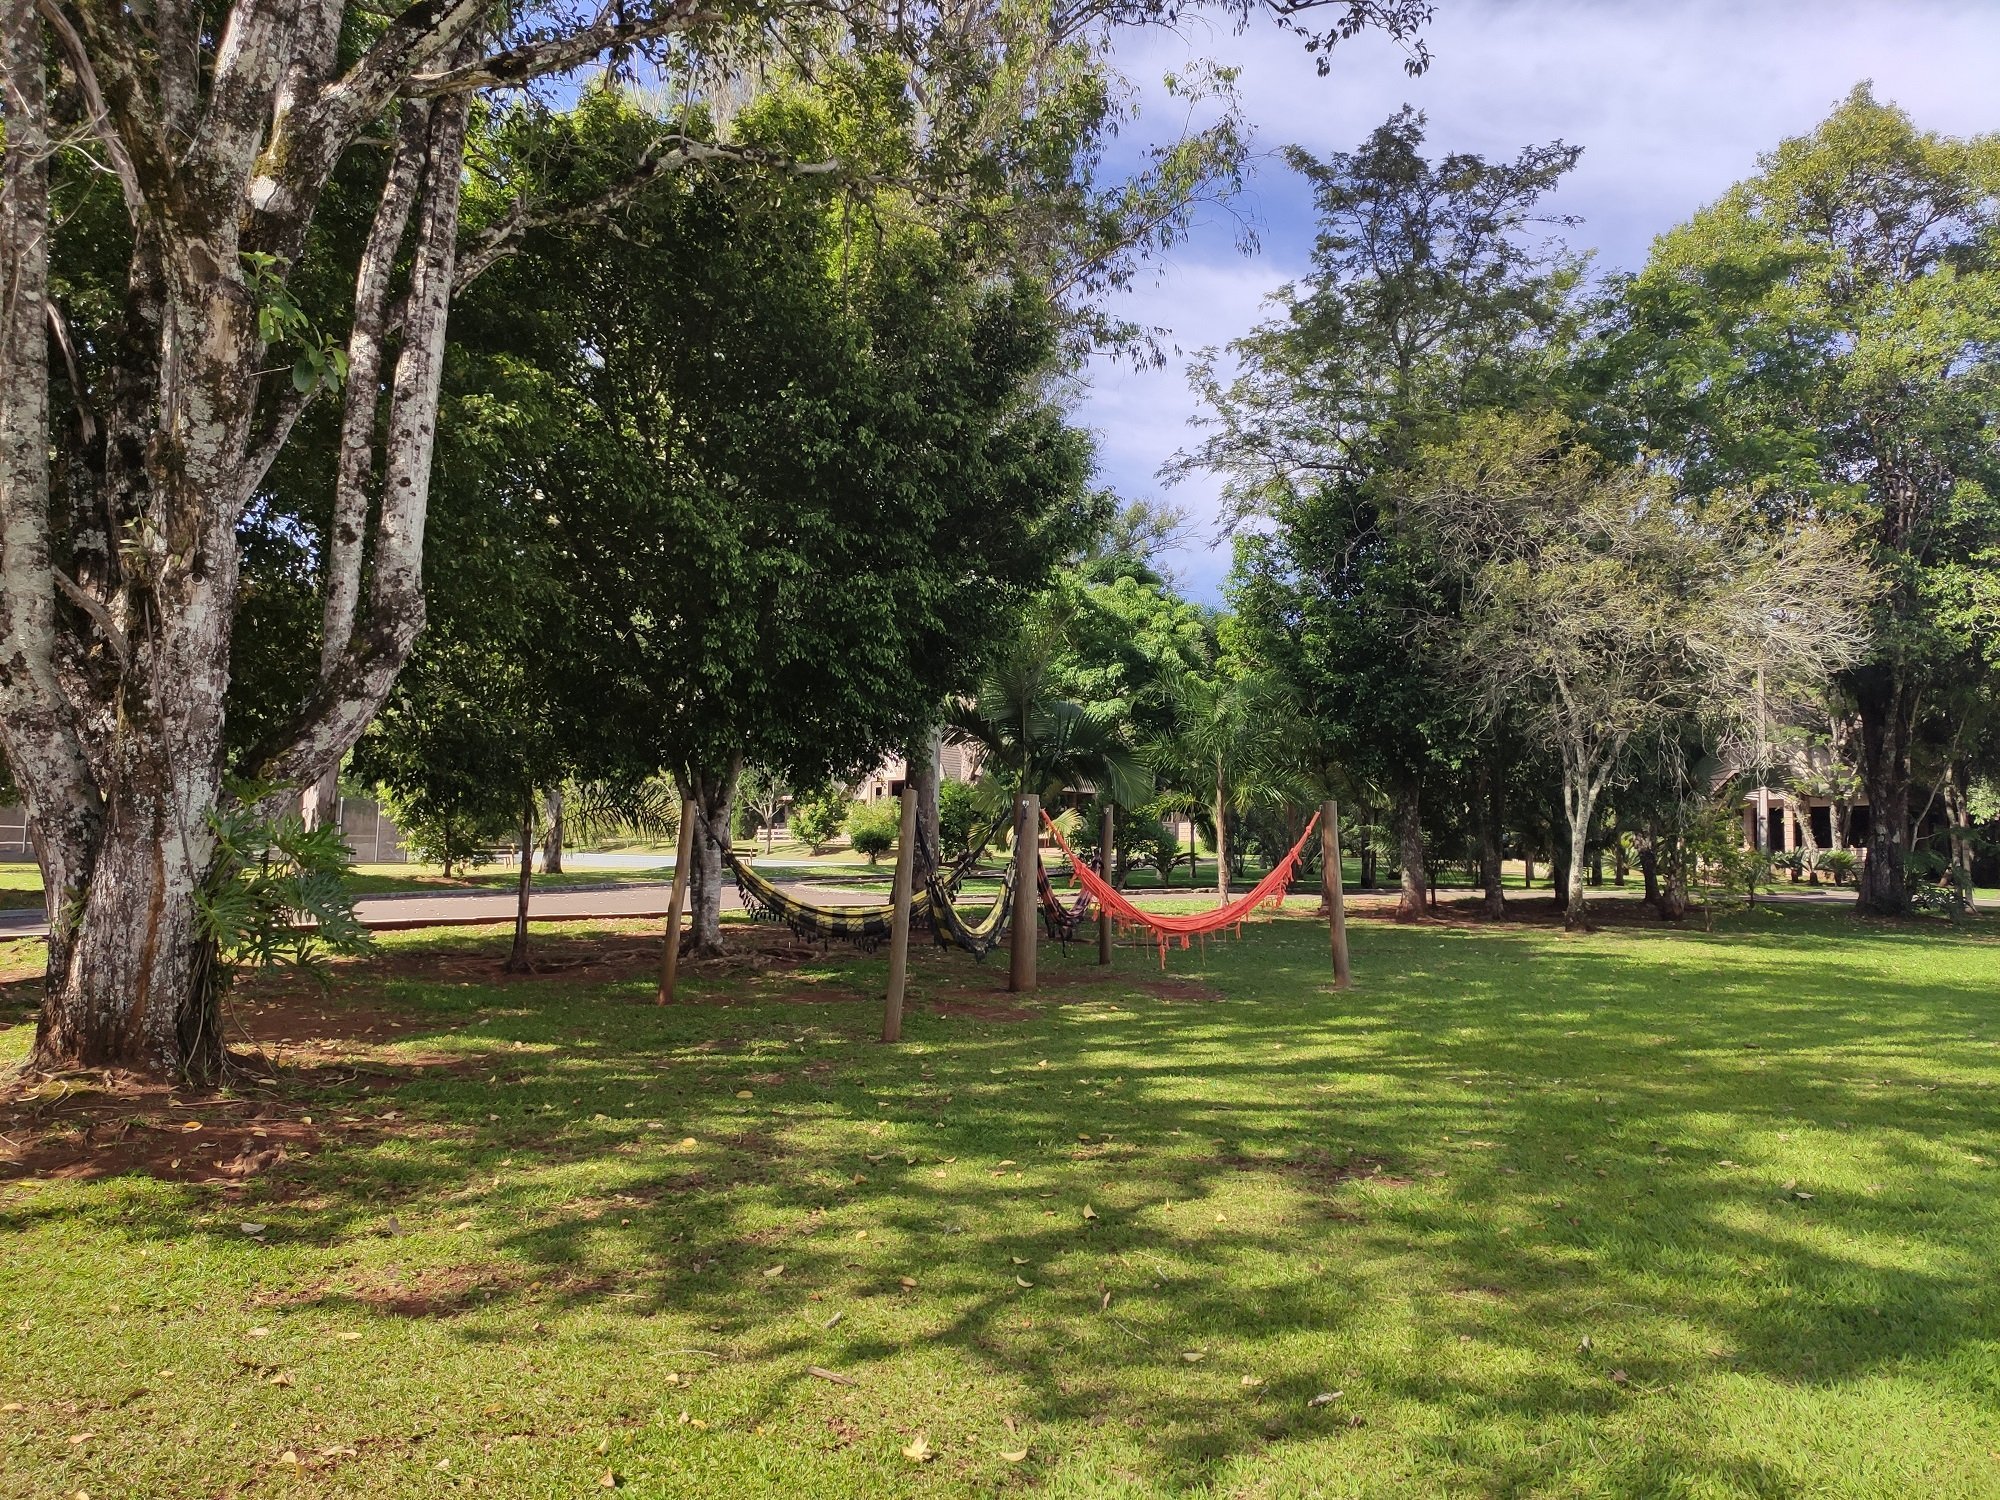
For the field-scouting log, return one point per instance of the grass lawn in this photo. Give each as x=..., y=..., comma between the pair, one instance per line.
x=1638, y=1214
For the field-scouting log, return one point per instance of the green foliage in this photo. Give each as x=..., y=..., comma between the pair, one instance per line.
x=1839, y=863
x=963, y=814
x=276, y=895
x=818, y=816
x=872, y=827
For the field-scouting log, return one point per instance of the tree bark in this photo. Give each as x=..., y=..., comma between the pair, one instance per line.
x=1887, y=710
x=923, y=768
x=1561, y=856
x=714, y=796
x=1490, y=811
x=1410, y=850
x=1649, y=870
x=1958, y=816
x=518, y=961
x=552, y=833
x=1580, y=803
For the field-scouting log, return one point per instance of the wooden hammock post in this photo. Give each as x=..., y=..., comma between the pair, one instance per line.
x=1336, y=904
x=899, y=924
x=670, y=961
x=1027, y=853
x=1107, y=861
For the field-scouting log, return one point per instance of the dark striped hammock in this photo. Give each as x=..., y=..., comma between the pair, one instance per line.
x=867, y=927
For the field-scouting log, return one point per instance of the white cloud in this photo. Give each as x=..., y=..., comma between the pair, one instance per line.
x=1672, y=103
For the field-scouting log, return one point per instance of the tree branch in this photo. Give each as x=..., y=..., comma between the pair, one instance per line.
x=78, y=59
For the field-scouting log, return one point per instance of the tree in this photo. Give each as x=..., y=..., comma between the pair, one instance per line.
x=1600, y=605
x=765, y=793
x=1424, y=296
x=1827, y=331
x=163, y=248
x=818, y=816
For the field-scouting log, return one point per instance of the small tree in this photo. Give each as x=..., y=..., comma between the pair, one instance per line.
x=818, y=816
x=872, y=828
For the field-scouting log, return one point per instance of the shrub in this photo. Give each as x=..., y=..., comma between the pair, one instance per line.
x=1840, y=864
x=872, y=828
x=961, y=817
x=816, y=818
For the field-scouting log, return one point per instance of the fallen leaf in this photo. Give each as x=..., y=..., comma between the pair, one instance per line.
x=251, y=1228
x=607, y=1480
x=1326, y=1398
x=833, y=1320
x=14, y=1406
x=775, y=1271
x=1251, y=1381
x=861, y=1234
x=908, y=1283
x=348, y=1336
x=1089, y=1212
x=604, y=1445
x=1007, y=1163
x=191, y=1125
x=820, y=1372
x=688, y=1141
x=745, y=1094
x=1104, y=1304
x=76, y=1438
x=281, y=1378
x=1010, y=1424
x=260, y=1333
x=919, y=1450
x=1019, y=1282
x=1619, y=1377
x=288, y=1457
x=1194, y=1356
x=1014, y=1456
x=1018, y=1260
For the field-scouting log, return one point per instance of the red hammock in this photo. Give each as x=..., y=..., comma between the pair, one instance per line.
x=1270, y=889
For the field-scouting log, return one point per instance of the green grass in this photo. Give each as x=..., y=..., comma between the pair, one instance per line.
x=1638, y=1214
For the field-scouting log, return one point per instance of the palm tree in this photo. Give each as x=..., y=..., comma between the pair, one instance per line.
x=1225, y=748
x=1035, y=739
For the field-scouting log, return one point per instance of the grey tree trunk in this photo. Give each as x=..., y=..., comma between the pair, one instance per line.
x=714, y=796
x=518, y=961
x=1958, y=816
x=923, y=769
x=552, y=834
x=1410, y=850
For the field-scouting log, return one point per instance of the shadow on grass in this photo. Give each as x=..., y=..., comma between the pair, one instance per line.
x=1572, y=1158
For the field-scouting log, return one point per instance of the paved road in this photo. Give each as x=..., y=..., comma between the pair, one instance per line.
x=405, y=909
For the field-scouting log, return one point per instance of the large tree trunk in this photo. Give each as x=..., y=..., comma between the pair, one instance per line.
x=1410, y=850
x=714, y=796
x=1490, y=812
x=552, y=834
x=1649, y=866
x=1887, y=711
x=131, y=981
x=923, y=768
x=518, y=961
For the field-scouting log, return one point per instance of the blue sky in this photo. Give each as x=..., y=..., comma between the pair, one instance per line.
x=1672, y=102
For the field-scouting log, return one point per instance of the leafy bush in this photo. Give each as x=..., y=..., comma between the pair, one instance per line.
x=872, y=827
x=817, y=817
x=962, y=816
x=455, y=833
x=270, y=876
x=1840, y=864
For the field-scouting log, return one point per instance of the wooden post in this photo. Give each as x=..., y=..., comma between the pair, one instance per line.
x=1336, y=900
x=1027, y=897
x=1107, y=861
x=899, y=925
x=670, y=961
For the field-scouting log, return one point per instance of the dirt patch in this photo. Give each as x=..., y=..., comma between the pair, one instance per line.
x=64, y=1130
x=977, y=1010
x=1177, y=991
